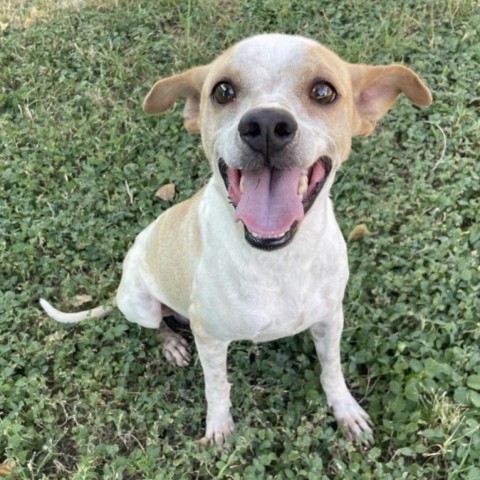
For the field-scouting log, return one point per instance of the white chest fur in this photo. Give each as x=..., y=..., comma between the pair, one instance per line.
x=244, y=293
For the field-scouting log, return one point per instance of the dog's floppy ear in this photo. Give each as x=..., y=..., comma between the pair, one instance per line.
x=375, y=89
x=186, y=86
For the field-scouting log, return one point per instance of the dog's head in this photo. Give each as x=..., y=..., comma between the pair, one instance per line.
x=277, y=114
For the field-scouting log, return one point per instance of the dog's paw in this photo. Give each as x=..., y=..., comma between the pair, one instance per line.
x=175, y=349
x=217, y=431
x=352, y=417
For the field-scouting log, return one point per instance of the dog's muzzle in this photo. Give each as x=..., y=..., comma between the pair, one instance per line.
x=271, y=202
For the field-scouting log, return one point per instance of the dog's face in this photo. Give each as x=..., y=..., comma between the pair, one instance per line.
x=277, y=114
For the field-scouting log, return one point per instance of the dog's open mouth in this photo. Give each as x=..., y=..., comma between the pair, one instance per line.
x=271, y=202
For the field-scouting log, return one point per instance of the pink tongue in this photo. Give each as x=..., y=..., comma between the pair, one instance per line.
x=269, y=203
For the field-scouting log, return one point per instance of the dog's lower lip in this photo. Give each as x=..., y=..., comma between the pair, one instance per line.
x=273, y=242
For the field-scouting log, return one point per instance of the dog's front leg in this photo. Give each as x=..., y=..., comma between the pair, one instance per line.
x=213, y=357
x=347, y=411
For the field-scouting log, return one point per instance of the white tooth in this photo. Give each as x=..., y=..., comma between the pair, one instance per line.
x=302, y=185
x=261, y=237
x=241, y=184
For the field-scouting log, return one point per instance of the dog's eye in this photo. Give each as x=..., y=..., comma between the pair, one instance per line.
x=323, y=93
x=223, y=93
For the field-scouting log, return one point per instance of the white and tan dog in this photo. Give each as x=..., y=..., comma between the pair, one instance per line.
x=257, y=254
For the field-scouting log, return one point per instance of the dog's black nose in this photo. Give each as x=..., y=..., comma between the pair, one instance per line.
x=267, y=130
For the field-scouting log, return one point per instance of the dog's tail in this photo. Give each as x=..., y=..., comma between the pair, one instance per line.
x=64, y=317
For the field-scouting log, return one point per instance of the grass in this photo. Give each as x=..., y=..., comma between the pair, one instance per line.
x=80, y=164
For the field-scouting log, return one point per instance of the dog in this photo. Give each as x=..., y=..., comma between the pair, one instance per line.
x=257, y=254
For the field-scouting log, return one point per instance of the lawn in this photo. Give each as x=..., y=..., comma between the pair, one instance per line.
x=80, y=165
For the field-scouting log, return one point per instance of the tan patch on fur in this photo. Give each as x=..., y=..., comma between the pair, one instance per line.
x=173, y=249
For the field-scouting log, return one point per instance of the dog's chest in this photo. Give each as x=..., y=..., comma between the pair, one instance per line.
x=262, y=298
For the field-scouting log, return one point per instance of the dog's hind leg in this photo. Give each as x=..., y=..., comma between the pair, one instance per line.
x=174, y=346
x=138, y=305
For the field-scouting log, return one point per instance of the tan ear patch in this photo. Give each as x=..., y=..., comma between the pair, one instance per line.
x=376, y=88
x=186, y=86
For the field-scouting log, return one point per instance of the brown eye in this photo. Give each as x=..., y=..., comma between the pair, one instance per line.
x=323, y=93
x=223, y=93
